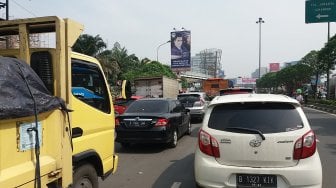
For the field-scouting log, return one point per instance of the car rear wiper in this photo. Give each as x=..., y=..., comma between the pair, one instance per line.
x=243, y=129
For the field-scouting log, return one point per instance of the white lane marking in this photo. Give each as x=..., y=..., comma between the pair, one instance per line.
x=176, y=185
x=317, y=140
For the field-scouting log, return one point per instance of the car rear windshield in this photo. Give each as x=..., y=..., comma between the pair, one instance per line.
x=148, y=106
x=123, y=102
x=189, y=98
x=265, y=117
x=235, y=91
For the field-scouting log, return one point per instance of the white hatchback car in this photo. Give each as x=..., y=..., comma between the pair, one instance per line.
x=256, y=140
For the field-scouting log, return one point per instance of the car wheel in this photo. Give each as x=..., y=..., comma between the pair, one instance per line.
x=173, y=142
x=189, y=128
x=85, y=176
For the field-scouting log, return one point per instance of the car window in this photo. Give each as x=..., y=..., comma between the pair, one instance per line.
x=148, y=106
x=88, y=85
x=177, y=107
x=235, y=91
x=123, y=102
x=189, y=98
x=266, y=117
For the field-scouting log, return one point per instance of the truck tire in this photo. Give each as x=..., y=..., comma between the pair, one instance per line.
x=85, y=176
x=173, y=142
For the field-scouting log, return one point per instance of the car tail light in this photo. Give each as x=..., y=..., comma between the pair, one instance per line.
x=199, y=103
x=117, y=122
x=161, y=122
x=305, y=146
x=208, y=144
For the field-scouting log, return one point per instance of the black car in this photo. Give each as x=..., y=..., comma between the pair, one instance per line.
x=153, y=120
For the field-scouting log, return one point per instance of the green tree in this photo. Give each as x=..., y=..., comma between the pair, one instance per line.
x=110, y=66
x=89, y=45
x=294, y=76
x=311, y=59
x=269, y=81
x=150, y=69
x=125, y=62
x=327, y=56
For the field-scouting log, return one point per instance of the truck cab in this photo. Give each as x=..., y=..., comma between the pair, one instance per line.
x=78, y=146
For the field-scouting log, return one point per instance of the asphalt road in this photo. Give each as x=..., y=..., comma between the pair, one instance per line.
x=144, y=166
x=324, y=126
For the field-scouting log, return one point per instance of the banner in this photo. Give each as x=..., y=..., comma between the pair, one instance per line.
x=274, y=67
x=180, y=50
x=243, y=81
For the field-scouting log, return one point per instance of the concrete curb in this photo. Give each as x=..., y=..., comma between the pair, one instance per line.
x=322, y=108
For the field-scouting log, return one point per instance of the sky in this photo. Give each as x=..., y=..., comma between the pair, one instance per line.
x=230, y=25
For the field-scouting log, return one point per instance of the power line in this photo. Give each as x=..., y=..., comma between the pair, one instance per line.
x=24, y=8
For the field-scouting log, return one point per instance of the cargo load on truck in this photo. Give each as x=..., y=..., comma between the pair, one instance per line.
x=156, y=87
x=212, y=86
x=22, y=91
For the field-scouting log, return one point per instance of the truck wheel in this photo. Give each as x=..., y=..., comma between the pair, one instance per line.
x=173, y=142
x=85, y=176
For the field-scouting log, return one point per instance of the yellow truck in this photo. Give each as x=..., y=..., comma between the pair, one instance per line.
x=70, y=145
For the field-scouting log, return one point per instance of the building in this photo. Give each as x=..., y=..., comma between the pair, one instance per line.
x=263, y=71
x=208, y=62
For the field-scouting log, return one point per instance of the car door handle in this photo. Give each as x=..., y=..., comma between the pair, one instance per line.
x=77, y=132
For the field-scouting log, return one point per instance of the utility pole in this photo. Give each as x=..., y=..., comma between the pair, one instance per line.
x=329, y=67
x=260, y=21
x=157, y=50
x=5, y=5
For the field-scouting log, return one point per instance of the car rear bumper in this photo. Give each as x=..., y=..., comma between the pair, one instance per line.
x=209, y=173
x=153, y=135
x=196, y=112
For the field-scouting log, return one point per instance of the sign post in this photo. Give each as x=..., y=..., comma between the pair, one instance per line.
x=320, y=11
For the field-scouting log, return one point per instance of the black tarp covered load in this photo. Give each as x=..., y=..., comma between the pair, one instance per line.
x=15, y=98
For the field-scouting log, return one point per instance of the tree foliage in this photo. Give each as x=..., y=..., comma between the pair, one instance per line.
x=289, y=78
x=89, y=45
x=149, y=69
x=269, y=80
x=117, y=63
x=311, y=59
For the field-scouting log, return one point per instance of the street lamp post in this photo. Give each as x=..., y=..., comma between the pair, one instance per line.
x=157, y=50
x=260, y=21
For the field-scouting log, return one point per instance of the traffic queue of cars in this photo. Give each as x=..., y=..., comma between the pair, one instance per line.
x=245, y=140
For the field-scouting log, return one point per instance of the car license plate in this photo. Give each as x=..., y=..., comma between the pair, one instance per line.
x=138, y=123
x=256, y=180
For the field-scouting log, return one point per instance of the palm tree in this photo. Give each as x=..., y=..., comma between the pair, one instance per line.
x=89, y=45
x=109, y=65
x=125, y=62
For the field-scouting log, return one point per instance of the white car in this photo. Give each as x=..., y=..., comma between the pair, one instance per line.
x=196, y=102
x=256, y=140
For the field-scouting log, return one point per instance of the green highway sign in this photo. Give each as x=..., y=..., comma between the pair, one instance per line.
x=320, y=11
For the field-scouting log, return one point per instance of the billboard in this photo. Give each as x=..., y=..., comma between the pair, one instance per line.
x=243, y=81
x=274, y=67
x=180, y=50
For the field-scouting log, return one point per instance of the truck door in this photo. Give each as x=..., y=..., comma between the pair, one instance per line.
x=92, y=116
